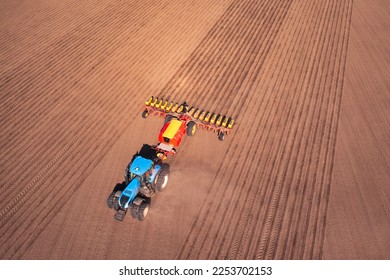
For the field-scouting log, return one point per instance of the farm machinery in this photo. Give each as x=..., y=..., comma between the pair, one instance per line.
x=185, y=119
x=147, y=173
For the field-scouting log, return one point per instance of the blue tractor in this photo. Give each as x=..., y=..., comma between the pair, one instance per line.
x=144, y=176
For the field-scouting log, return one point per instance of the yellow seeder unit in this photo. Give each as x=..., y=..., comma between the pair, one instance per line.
x=205, y=119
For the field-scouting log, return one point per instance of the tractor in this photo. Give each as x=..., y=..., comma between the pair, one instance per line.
x=145, y=175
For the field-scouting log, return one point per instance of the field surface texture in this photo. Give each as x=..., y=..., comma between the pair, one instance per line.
x=304, y=175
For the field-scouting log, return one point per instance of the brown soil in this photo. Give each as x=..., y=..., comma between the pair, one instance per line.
x=304, y=175
x=358, y=220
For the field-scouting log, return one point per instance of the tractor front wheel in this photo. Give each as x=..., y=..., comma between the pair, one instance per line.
x=112, y=201
x=120, y=215
x=134, y=210
x=115, y=204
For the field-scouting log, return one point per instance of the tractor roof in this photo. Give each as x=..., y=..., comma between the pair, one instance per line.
x=147, y=152
x=140, y=165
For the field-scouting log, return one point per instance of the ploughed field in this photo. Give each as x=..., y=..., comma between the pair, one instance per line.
x=304, y=174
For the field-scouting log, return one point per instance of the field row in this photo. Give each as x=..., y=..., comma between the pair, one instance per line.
x=277, y=67
x=270, y=195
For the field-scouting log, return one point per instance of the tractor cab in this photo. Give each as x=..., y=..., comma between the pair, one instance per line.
x=140, y=166
x=141, y=163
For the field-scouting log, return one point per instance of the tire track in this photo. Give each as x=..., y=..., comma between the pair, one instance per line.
x=202, y=214
x=214, y=73
x=210, y=44
x=231, y=214
x=324, y=195
x=249, y=191
x=282, y=171
x=267, y=242
x=313, y=123
x=320, y=146
x=246, y=225
x=240, y=63
x=303, y=169
x=317, y=160
x=228, y=152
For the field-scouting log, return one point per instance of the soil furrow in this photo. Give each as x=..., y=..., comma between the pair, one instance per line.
x=210, y=195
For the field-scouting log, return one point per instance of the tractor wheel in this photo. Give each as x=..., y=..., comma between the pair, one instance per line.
x=191, y=128
x=134, y=210
x=221, y=136
x=162, y=177
x=110, y=200
x=151, y=190
x=143, y=210
x=145, y=114
x=120, y=215
x=126, y=175
x=168, y=118
x=115, y=203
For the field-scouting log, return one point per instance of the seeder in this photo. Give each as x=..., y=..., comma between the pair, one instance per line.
x=191, y=116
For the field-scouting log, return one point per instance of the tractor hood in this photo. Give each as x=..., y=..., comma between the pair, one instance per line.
x=129, y=193
x=140, y=165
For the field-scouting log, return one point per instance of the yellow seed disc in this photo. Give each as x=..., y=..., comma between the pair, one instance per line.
x=164, y=105
x=207, y=117
x=219, y=120
x=196, y=114
x=213, y=117
x=180, y=109
x=225, y=121
x=202, y=115
x=149, y=101
x=231, y=122
x=175, y=108
x=159, y=103
x=169, y=107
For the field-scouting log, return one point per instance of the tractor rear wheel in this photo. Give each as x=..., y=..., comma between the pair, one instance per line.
x=143, y=210
x=134, y=210
x=115, y=203
x=126, y=175
x=191, y=128
x=162, y=177
x=110, y=200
